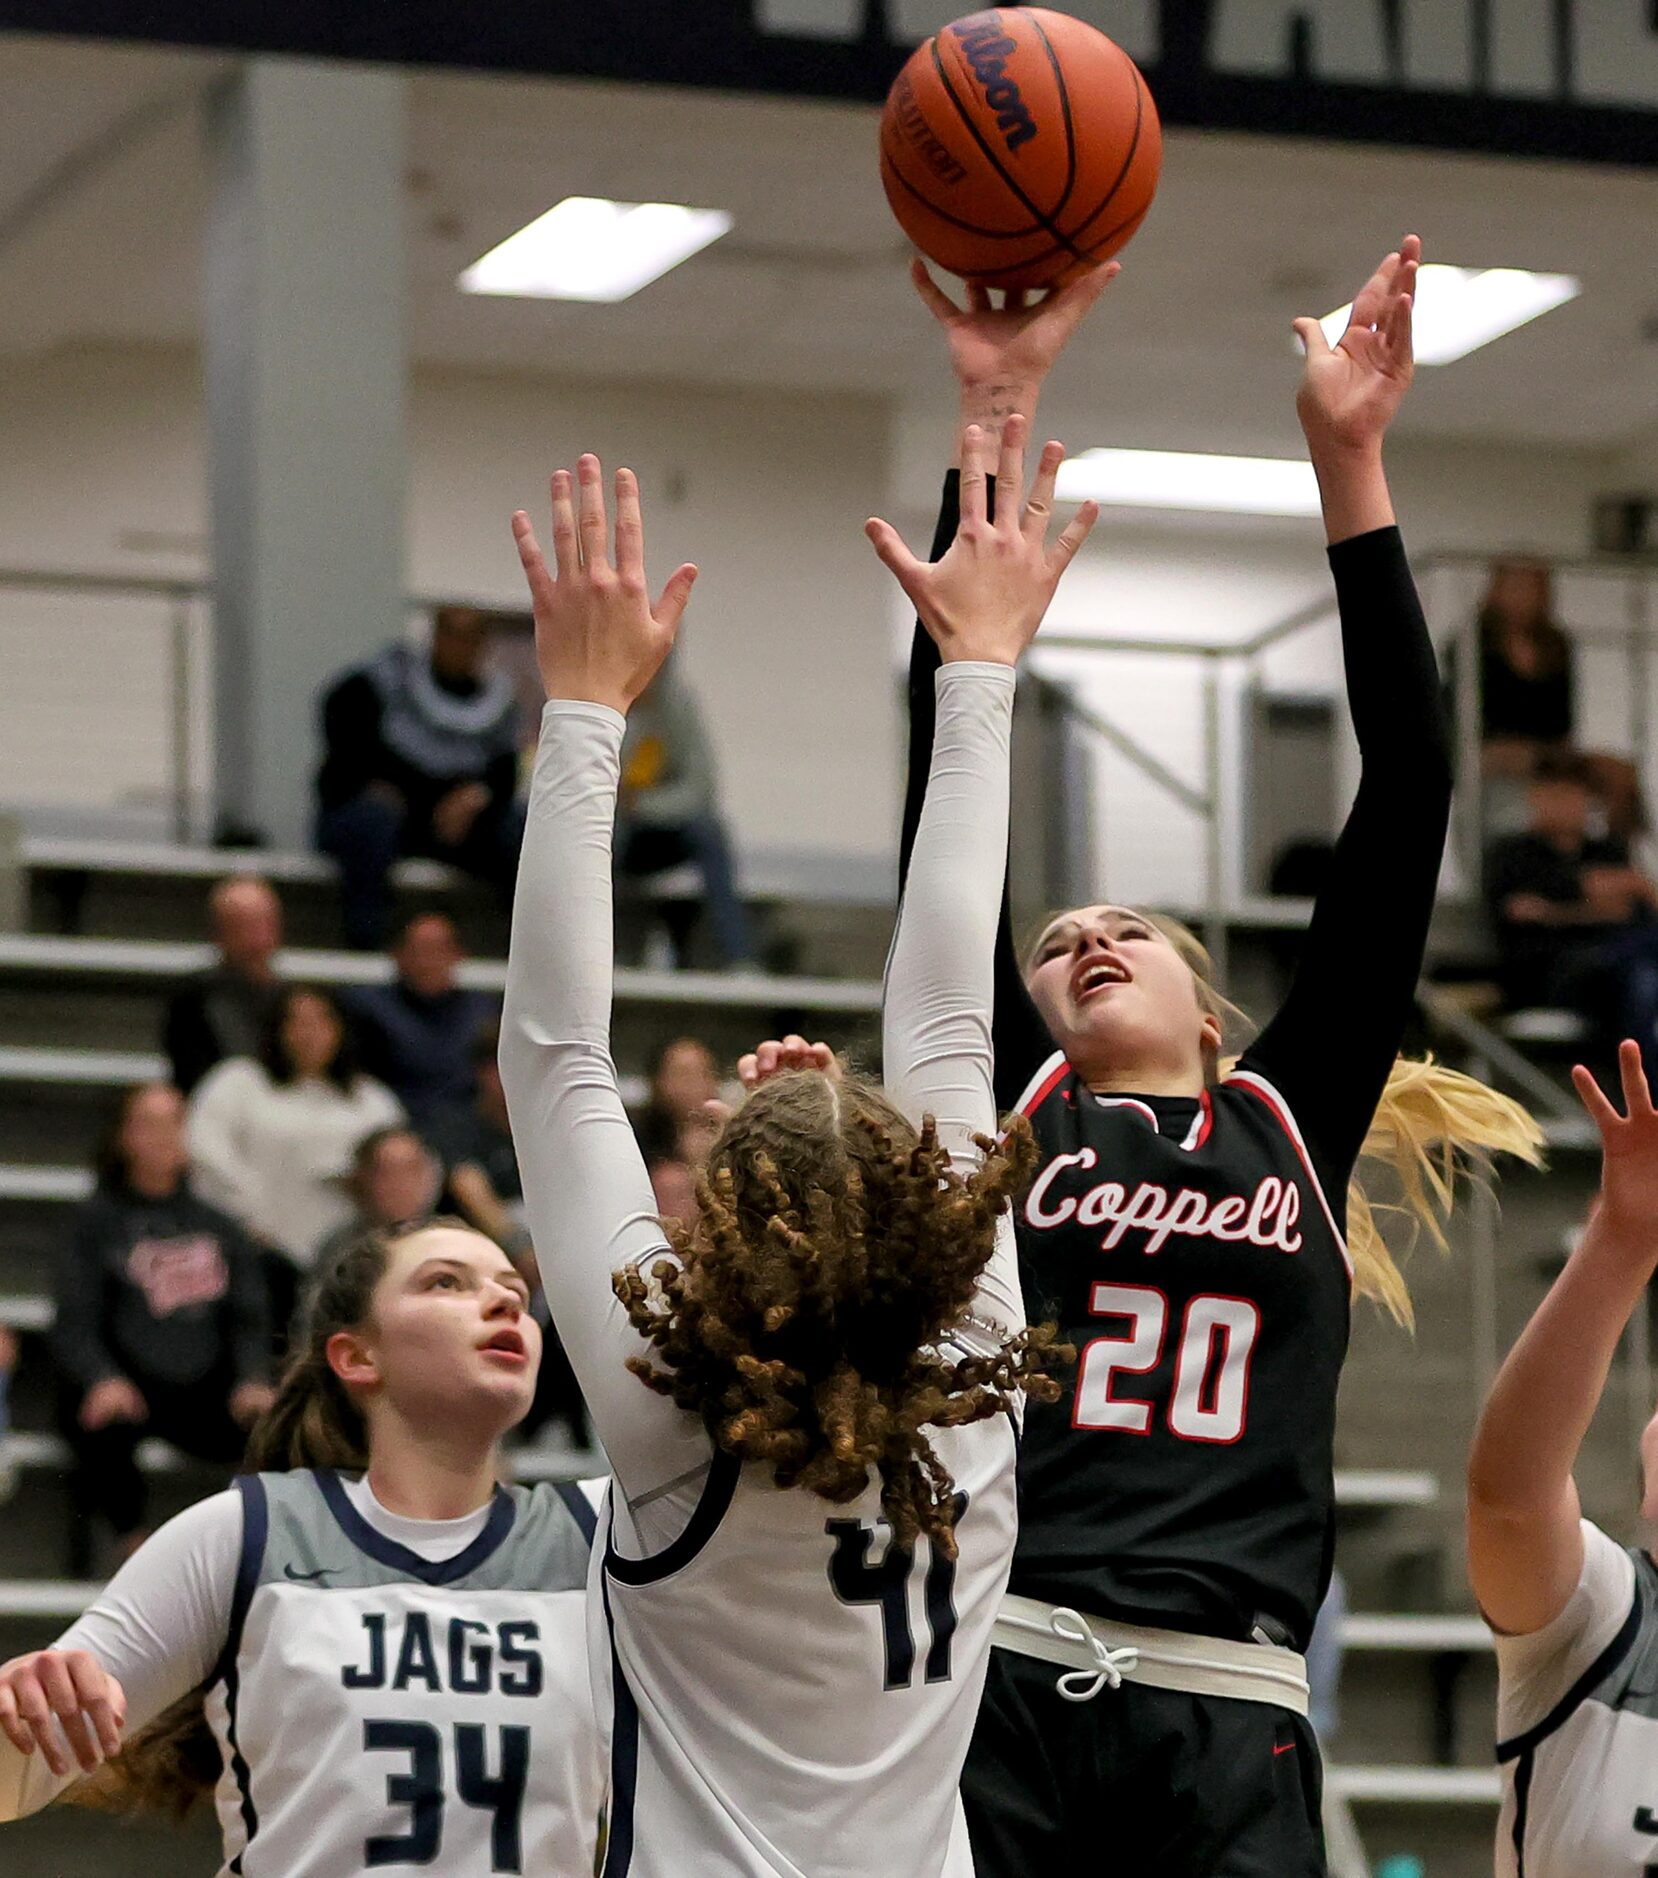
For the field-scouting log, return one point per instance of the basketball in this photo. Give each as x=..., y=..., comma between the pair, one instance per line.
x=1019, y=147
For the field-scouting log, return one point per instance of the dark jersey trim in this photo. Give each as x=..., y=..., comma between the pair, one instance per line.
x=711, y=1508
x=581, y=1509
x=1598, y=1670
x=255, y=1531
x=624, y=1758
x=441, y=1571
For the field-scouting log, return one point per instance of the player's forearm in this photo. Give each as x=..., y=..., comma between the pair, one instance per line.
x=1352, y=487
x=1545, y=1396
x=936, y=1012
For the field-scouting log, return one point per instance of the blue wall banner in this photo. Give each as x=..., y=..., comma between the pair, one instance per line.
x=1550, y=78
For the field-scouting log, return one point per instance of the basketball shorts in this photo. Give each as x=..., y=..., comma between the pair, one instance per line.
x=1138, y=1783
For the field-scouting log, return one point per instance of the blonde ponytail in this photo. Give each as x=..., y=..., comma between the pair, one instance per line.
x=1433, y=1127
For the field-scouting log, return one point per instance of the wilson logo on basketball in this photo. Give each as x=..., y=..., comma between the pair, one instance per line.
x=987, y=49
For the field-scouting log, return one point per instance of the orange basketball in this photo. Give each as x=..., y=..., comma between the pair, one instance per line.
x=1020, y=146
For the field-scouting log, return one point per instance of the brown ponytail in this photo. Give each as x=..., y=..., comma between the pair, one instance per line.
x=174, y=1763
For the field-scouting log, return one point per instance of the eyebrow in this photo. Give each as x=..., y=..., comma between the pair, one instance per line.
x=1122, y=915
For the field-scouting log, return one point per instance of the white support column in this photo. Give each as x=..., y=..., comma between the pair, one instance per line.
x=305, y=371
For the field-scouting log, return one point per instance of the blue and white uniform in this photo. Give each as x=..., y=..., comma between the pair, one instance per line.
x=792, y=1693
x=1577, y=1727
x=387, y=1693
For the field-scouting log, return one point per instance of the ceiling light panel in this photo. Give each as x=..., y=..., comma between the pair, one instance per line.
x=1460, y=309
x=1172, y=479
x=586, y=248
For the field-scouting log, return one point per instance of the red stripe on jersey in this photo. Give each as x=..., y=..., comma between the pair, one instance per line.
x=1042, y=1085
x=1279, y=1109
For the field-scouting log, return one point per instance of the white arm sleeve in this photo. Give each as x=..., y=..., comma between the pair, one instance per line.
x=157, y=1627
x=940, y=992
x=587, y=1196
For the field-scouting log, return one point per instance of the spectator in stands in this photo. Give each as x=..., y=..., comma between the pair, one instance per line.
x=668, y=810
x=421, y=757
x=395, y=1178
x=1576, y=922
x=1528, y=704
x=161, y=1324
x=480, y=1164
x=224, y=1010
x=417, y=1033
x=675, y=1122
x=272, y=1137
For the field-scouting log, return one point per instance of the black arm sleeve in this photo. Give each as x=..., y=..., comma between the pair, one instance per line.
x=1331, y=1045
x=1019, y=1036
x=353, y=754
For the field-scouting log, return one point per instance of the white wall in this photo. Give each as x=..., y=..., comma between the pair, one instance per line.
x=787, y=642
x=795, y=637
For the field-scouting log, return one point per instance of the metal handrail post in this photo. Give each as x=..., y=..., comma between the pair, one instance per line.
x=1216, y=935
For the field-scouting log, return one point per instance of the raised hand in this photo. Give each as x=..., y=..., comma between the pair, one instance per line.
x=986, y=598
x=1350, y=392
x=597, y=635
x=1019, y=341
x=88, y=1704
x=792, y=1052
x=1628, y=1203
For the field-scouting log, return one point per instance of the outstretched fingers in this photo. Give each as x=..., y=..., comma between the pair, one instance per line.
x=894, y=552
x=933, y=296
x=1637, y=1097
x=1010, y=474
x=1370, y=304
x=675, y=597
x=630, y=529
x=566, y=551
x=977, y=454
x=1590, y=1094
x=532, y=561
x=593, y=525
x=1076, y=532
x=1039, y=510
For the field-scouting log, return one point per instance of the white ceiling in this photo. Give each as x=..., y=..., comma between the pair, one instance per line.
x=102, y=186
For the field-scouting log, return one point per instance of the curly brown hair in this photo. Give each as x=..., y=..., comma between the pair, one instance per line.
x=806, y=1315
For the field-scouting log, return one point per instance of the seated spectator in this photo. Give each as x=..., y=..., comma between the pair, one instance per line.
x=675, y=1122
x=161, y=1324
x=421, y=757
x=417, y=1033
x=474, y=1142
x=271, y=1138
x=1528, y=695
x=668, y=810
x=223, y=1011
x=1577, y=923
x=482, y=1186
x=395, y=1178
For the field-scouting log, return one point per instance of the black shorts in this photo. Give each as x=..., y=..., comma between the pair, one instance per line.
x=1138, y=1783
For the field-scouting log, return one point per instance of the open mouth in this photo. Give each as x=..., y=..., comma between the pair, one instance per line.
x=1098, y=976
x=508, y=1344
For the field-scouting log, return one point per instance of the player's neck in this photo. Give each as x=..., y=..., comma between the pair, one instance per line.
x=430, y=1476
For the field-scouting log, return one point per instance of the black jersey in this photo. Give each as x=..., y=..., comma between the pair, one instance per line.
x=1187, y=1249
x=1185, y=1479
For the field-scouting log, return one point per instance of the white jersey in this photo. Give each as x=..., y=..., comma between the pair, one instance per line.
x=1577, y=1723
x=790, y=1692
